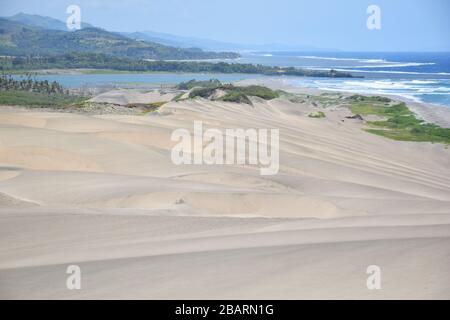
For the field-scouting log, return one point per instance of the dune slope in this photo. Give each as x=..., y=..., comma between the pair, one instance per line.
x=102, y=192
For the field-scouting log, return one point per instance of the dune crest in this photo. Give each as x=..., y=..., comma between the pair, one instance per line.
x=111, y=200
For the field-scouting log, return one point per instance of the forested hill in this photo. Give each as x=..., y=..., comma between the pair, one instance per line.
x=18, y=39
x=43, y=22
x=101, y=61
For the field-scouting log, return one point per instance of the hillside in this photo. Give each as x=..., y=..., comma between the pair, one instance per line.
x=35, y=20
x=18, y=39
x=166, y=39
x=214, y=45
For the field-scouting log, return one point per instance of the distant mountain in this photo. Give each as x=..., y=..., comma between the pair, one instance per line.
x=166, y=40
x=35, y=20
x=182, y=42
x=20, y=39
x=206, y=44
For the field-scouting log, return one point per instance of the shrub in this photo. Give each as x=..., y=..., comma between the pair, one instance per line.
x=317, y=115
x=237, y=97
x=211, y=83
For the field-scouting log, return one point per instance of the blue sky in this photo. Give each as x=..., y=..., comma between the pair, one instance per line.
x=407, y=25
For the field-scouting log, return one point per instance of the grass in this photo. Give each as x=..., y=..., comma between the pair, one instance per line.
x=258, y=91
x=375, y=105
x=409, y=128
x=57, y=71
x=147, y=107
x=413, y=135
x=326, y=99
x=179, y=97
x=202, y=92
x=317, y=115
x=399, y=123
x=237, y=97
x=26, y=98
x=376, y=99
x=211, y=83
x=296, y=98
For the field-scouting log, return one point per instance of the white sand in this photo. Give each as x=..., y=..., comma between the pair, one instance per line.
x=428, y=112
x=127, y=96
x=102, y=193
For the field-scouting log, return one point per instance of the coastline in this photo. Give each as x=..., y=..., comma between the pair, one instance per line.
x=432, y=113
x=429, y=112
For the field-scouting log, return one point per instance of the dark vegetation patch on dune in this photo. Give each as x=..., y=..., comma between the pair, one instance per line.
x=215, y=90
x=399, y=122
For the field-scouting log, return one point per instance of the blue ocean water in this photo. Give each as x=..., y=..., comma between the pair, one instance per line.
x=423, y=77
x=418, y=76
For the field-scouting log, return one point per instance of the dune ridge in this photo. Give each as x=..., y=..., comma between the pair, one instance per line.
x=101, y=191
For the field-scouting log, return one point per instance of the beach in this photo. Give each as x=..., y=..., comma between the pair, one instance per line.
x=429, y=112
x=99, y=190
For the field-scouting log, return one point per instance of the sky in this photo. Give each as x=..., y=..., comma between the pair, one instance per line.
x=406, y=25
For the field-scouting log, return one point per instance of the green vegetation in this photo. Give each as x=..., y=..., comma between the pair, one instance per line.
x=18, y=39
x=26, y=98
x=7, y=82
x=258, y=91
x=236, y=97
x=35, y=20
x=203, y=84
x=317, y=115
x=26, y=47
x=327, y=99
x=178, y=97
x=374, y=105
x=35, y=93
x=294, y=97
x=203, y=92
x=102, y=61
x=409, y=128
x=147, y=107
x=399, y=122
x=156, y=105
x=208, y=89
x=323, y=100
x=361, y=98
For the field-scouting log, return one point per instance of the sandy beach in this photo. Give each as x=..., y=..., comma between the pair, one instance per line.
x=100, y=191
x=428, y=112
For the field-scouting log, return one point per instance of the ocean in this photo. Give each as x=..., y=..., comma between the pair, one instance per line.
x=422, y=77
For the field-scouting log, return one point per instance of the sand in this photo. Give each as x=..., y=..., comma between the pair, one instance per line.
x=101, y=192
x=123, y=97
x=432, y=113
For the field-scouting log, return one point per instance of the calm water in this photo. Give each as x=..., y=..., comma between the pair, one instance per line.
x=418, y=76
x=131, y=79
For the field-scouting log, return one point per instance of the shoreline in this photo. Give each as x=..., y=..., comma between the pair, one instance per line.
x=429, y=112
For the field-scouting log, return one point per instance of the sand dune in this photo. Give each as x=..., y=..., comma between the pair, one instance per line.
x=124, y=97
x=101, y=192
